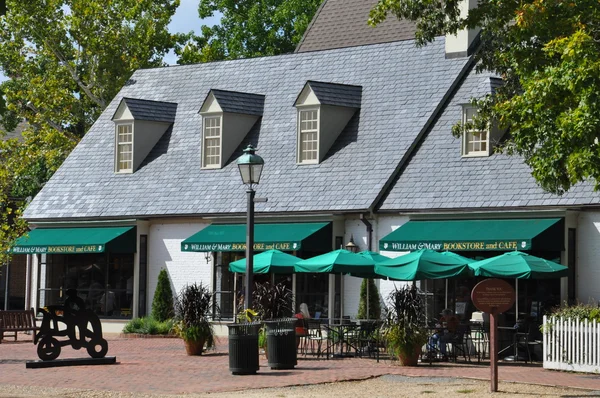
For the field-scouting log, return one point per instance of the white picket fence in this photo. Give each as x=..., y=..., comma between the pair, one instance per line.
x=570, y=344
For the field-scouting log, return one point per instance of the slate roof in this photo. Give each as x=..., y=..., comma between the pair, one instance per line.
x=236, y=102
x=337, y=94
x=343, y=23
x=401, y=86
x=438, y=178
x=153, y=111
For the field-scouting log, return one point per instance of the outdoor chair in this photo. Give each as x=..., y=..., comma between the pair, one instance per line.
x=366, y=339
x=460, y=343
x=480, y=339
x=316, y=337
x=527, y=341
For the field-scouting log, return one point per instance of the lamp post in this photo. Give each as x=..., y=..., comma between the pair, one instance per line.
x=250, y=166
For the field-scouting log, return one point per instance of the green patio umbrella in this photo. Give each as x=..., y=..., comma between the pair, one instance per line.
x=337, y=262
x=518, y=265
x=268, y=261
x=423, y=264
x=376, y=257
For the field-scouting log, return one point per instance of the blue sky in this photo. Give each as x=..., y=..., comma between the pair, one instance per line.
x=185, y=19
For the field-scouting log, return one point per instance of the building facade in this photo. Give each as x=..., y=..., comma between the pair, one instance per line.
x=356, y=138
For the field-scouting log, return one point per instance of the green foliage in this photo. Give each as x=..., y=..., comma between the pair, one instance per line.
x=581, y=312
x=193, y=309
x=403, y=328
x=148, y=325
x=248, y=28
x=262, y=337
x=65, y=60
x=548, y=54
x=374, y=303
x=272, y=301
x=162, y=303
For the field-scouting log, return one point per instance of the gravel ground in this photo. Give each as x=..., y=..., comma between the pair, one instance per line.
x=385, y=386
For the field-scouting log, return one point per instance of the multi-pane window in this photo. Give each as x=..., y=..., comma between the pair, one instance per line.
x=309, y=129
x=212, y=141
x=124, y=147
x=476, y=141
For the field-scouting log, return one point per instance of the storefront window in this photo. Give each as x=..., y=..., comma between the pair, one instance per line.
x=313, y=289
x=104, y=282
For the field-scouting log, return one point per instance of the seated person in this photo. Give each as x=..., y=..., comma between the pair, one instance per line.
x=301, y=329
x=446, y=332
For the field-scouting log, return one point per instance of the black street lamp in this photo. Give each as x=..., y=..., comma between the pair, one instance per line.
x=250, y=166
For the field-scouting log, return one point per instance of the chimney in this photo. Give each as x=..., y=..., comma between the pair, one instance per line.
x=465, y=41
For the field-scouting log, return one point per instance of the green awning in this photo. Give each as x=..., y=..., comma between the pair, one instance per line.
x=477, y=235
x=77, y=240
x=284, y=237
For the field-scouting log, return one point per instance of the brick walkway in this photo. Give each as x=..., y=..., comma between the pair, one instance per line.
x=161, y=366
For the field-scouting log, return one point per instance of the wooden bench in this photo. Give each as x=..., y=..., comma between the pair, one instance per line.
x=14, y=321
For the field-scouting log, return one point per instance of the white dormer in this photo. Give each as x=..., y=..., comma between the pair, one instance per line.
x=227, y=117
x=139, y=124
x=324, y=110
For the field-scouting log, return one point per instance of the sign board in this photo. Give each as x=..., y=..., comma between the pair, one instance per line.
x=239, y=247
x=493, y=296
x=68, y=249
x=457, y=246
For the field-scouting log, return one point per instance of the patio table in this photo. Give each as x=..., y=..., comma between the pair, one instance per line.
x=343, y=331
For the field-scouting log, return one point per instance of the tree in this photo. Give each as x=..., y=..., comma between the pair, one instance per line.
x=248, y=28
x=162, y=303
x=548, y=54
x=65, y=60
x=374, y=302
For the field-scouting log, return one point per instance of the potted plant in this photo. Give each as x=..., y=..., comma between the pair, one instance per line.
x=404, y=329
x=193, y=308
x=273, y=304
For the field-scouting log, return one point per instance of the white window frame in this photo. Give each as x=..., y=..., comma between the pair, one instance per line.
x=205, y=119
x=468, y=133
x=300, y=132
x=119, y=144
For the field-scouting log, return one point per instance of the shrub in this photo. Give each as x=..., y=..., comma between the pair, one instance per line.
x=404, y=324
x=374, y=303
x=193, y=309
x=272, y=301
x=581, y=312
x=162, y=303
x=148, y=325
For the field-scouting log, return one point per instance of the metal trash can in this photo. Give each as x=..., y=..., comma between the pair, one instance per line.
x=281, y=343
x=243, y=348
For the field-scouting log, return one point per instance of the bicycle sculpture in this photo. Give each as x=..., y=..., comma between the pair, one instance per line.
x=72, y=320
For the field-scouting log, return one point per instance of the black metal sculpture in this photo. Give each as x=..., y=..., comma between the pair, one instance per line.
x=72, y=320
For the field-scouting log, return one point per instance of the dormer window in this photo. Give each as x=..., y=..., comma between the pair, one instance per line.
x=124, y=147
x=139, y=125
x=212, y=142
x=476, y=142
x=309, y=133
x=324, y=110
x=227, y=117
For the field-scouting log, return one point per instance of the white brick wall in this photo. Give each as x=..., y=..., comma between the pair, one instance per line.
x=164, y=246
x=355, y=229
x=386, y=225
x=588, y=257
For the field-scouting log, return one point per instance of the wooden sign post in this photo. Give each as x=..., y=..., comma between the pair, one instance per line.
x=493, y=296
